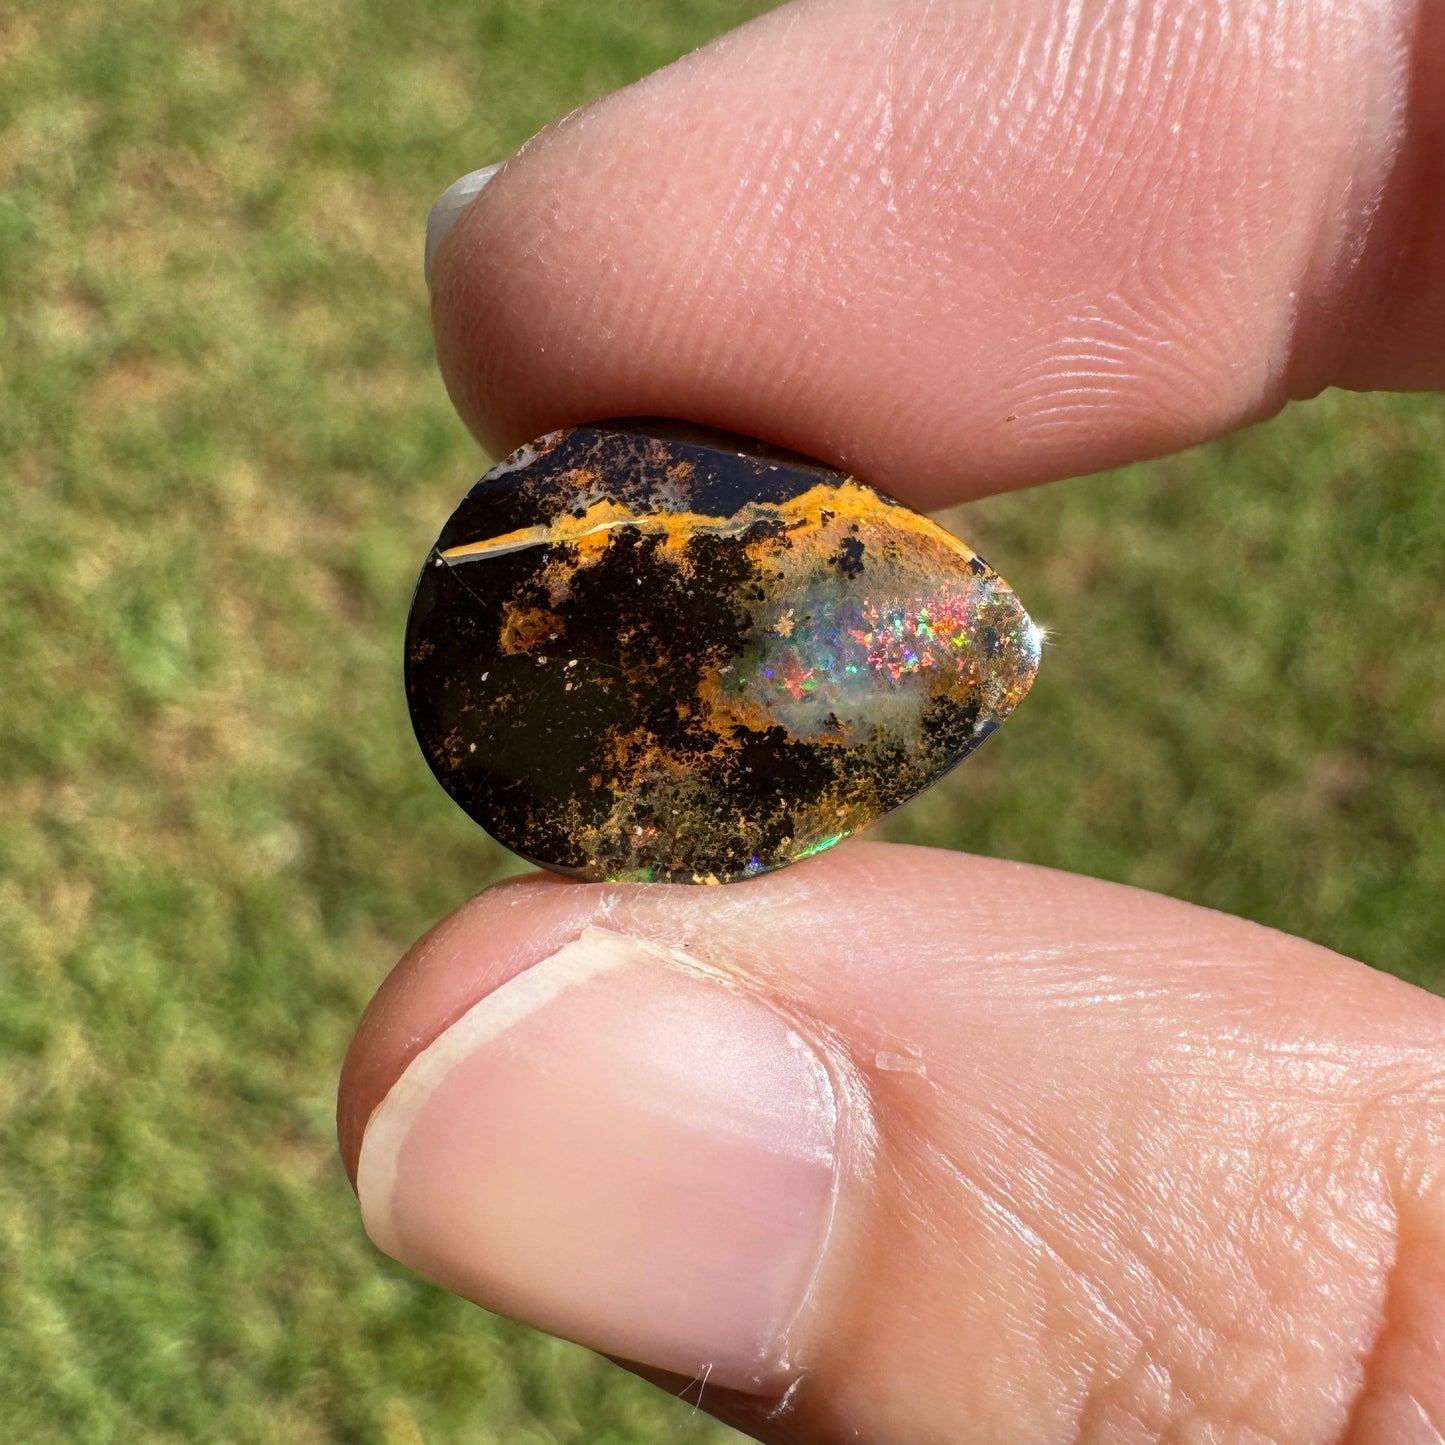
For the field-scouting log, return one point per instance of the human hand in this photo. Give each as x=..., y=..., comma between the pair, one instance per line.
x=970, y=1151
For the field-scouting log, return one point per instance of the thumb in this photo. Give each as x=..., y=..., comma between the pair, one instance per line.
x=905, y=1146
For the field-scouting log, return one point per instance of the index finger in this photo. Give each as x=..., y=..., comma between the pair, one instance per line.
x=960, y=248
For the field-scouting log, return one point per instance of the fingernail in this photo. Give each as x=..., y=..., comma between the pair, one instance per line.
x=449, y=205
x=621, y=1149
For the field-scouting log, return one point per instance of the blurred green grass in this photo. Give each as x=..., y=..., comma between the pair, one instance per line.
x=223, y=448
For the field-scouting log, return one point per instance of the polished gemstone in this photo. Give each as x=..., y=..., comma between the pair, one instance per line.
x=647, y=652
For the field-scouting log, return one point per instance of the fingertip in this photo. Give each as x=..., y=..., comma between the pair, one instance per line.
x=1395, y=333
x=620, y=1146
x=457, y=962
x=447, y=210
x=952, y=251
x=906, y=1137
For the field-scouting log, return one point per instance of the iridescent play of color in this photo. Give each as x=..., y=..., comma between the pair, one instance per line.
x=647, y=652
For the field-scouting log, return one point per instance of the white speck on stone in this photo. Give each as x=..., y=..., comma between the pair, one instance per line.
x=524, y=456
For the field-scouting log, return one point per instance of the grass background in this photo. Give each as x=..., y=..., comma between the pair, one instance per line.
x=224, y=448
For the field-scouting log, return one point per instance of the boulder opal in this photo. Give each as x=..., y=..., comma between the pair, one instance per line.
x=646, y=652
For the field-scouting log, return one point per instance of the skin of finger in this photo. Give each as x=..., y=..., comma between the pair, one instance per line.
x=1133, y=1167
x=956, y=248
x=1401, y=315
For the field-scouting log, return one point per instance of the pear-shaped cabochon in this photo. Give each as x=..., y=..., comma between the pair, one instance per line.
x=645, y=652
